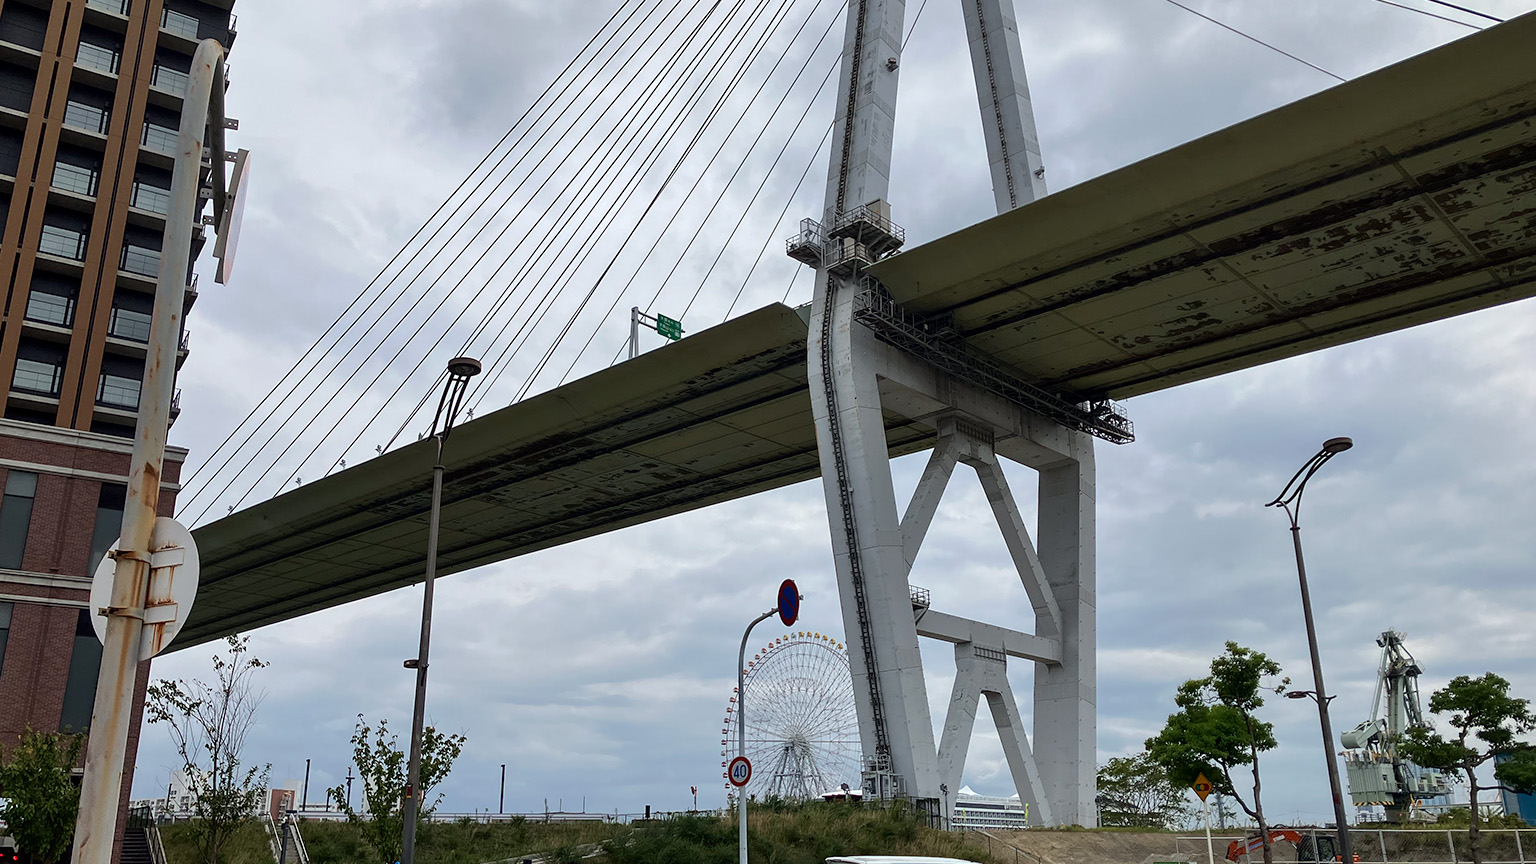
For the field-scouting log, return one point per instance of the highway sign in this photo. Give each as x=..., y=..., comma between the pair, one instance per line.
x=229, y=221
x=172, y=587
x=669, y=327
x=789, y=603
x=740, y=771
x=1202, y=786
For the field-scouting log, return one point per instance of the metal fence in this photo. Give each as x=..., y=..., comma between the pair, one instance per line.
x=1422, y=846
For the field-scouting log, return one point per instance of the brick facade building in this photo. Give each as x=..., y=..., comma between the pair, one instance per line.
x=90, y=103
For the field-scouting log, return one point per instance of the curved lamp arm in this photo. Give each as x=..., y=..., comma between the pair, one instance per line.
x=1289, y=498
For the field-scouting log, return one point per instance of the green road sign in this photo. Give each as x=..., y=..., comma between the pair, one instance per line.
x=669, y=327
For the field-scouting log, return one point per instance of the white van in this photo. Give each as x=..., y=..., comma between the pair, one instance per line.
x=894, y=859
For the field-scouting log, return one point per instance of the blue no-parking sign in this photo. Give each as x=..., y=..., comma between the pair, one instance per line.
x=789, y=603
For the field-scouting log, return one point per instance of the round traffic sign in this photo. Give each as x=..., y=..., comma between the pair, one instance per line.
x=171, y=590
x=789, y=603
x=740, y=772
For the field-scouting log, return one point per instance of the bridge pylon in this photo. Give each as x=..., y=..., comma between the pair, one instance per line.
x=869, y=359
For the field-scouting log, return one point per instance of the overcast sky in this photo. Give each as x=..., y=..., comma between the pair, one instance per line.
x=599, y=672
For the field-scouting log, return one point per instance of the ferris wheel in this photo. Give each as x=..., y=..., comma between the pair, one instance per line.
x=802, y=729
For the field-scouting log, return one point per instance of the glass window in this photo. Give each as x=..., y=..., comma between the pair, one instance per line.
x=179, y=23
x=5, y=631
x=141, y=260
x=167, y=78
x=37, y=376
x=63, y=242
x=87, y=117
x=159, y=139
x=16, y=518
x=73, y=178
x=50, y=308
x=98, y=57
x=151, y=198
x=128, y=324
x=80, y=687
x=109, y=521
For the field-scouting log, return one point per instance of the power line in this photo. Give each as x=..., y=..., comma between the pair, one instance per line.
x=1429, y=13
x=1256, y=39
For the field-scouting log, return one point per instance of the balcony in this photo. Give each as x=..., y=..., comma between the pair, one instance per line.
x=62, y=242
x=38, y=377
x=115, y=7
x=180, y=24
x=169, y=80
x=129, y=324
x=158, y=139
x=190, y=296
x=118, y=391
x=140, y=260
x=87, y=118
x=807, y=246
x=73, y=178
x=98, y=58
x=151, y=199
x=55, y=309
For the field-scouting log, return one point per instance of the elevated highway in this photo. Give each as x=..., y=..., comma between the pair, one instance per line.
x=1402, y=197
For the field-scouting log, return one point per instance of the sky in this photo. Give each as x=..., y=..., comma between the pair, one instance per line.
x=599, y=672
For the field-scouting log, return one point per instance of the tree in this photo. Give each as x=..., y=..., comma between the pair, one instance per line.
x=1480, y=709
x=209, y=724
x=381, y=765
x=38, y=796
x=1135, y=792
x=1215, y=730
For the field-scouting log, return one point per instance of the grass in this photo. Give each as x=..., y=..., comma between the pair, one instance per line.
x=795, y=834
x=465, y=842
x=248, y=845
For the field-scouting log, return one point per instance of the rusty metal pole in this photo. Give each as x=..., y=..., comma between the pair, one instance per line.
x=107, y=746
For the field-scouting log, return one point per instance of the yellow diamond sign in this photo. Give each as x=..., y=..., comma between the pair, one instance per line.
x=1202, y=786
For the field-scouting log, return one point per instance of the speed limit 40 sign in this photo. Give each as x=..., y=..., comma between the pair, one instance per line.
x=740, y=771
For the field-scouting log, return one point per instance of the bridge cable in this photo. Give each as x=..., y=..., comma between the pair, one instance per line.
x=1468, y=11
x=1429, y=13
x=1255, y=39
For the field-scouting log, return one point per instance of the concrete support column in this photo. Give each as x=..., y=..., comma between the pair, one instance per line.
x=1066, y=726
x=1007, y=117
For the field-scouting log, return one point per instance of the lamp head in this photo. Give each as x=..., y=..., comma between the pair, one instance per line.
x=1337, y=445
x=469, y=367
x=1298, y=694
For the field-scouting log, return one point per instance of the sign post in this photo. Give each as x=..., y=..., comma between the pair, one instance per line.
x=1202, y=788
x=739, y=772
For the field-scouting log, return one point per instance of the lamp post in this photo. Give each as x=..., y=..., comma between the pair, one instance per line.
x=501, y=803
x=741, y=729
x=460, y=370
x=350, y=778
x=1289, y=500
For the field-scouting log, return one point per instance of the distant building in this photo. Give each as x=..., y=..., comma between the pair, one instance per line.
x=988, y=812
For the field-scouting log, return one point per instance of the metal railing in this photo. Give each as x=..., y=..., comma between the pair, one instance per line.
x=151, y=198
x=1403, y=846
x=141, y=260
x=35, y=376
x=63, y=242
x=128, y=324
x=98, y=57
x=116, y=7
x=87, y=117
x=73, y=178
x=159, y=139
x=46, y=308
x=168, y=79
x=117, y=391
x=179, y=23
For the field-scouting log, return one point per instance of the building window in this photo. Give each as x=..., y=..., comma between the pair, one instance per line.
x=98, y=57
x=151, y=198
x=87, y=117
x=37, y=376
x=169, y=79
x=48, y=308
x=141, y=260
x=80, y=687
x=74, y=178
x=159, y=139
x=63, y=242
x=118, y=391
x=16, y=517
x=5, y=631
x=179, y=23
x=129, y=324
x=109, y=521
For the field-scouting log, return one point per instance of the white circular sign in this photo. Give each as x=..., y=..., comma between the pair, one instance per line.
x=740, y=771
x=172, y=586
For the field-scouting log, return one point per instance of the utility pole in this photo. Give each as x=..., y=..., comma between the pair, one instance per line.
x=101, y=789
x=304, y=796
x=501, y=804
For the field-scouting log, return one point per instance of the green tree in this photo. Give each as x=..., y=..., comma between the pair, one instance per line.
x=38, y=796
x=381, y=765
x=1135, y=792
x=1481, y=710
x=209, y=724
x=1215, y=730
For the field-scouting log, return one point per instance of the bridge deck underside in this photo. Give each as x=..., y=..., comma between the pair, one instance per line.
x=1402, y=197
x=1405, y=196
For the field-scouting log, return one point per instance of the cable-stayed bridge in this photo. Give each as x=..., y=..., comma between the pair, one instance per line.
x=1405, y=196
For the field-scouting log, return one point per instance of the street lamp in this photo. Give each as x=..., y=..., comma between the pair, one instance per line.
x=1289, y=500
x=460, y=370
x=501, y=804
